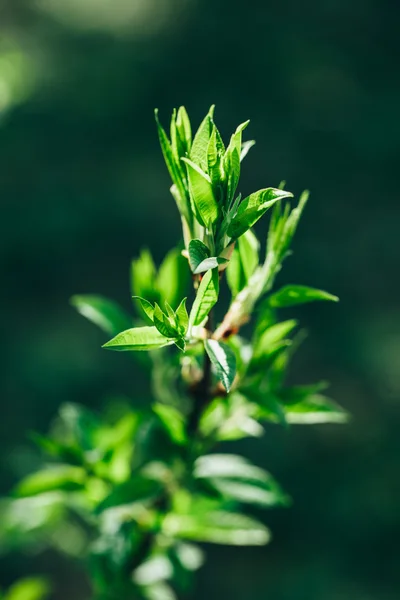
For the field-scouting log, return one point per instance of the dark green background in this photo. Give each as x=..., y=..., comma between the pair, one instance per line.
x=83, y=188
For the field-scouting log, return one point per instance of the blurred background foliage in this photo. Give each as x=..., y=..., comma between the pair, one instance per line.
x=83, y=187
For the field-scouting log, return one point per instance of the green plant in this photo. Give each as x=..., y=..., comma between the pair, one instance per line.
x=133, y=492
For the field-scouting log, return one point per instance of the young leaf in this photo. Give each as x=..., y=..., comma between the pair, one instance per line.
x=147, y=307
x=290, y=295
x=173, y=277
x=30, y=588
x=253, y=208
x=224, y=361
x=198, y=252
x=138, y=338
x=143, y=277
x=163, y=324
x=271, y=341
x=173, y=422
x=206, y=298
x=245, y=148
x=198, y=153
x=173, y=168
x=202, y=194
x=60, y=477
x=316, y=409
x=217, y=527
x=210, y=263
x=183, y=126
x=104, y=313
x=243, y=263
x=183, y=317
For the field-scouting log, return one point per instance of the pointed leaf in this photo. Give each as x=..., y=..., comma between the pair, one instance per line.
x=104, y=313
x=253, y=208
x=147, y=307
x=290, y=295
x=182, y=316
x=173, y=277
x=138, y=338
x=183, y=126
x=198, y=153
x=60, y=477
x=206, y=298
x=245, y=148
x=163, y=324
x=224, y=361
x=202, y=194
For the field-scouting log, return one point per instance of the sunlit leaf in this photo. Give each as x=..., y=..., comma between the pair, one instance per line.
x=138, y=338
x=202, y=194
x=104, y=313
x=198, y=153
x=173, y=422
x=59, y=477
x=32, y=588
x=206, y=297
x=224, y=361
x=290, y=295
x=173, y=277
x=252, y=208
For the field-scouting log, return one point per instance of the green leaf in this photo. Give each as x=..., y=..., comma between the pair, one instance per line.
x=198, y=153
x=217, y=527
x=316, y=409
x=32, y=588
x=138, y=338
x=173, y=422
x=163, y=324
x=243, y=263
x=245, y=148
x=146, y=306
x=290, y=295
x=210, y=263
x=253, y=208
x=60, y=477
x=182, y=317
x=104, y=313
x=154, y=569
x=202, y=194
x=230, y=418
x=270, y=340
x=206, y=298
x=198, y=252
x=143, y=277
x=173, y=277
x=224, y=361
x=183, y=126
x=173, y=168
x=191, y=557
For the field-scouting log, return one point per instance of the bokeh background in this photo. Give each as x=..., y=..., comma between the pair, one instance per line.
x=83, y=187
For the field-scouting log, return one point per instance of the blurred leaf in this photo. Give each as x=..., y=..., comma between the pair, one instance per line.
x=316, y=409
x=190, y=556
x=224, y=361
x=202, y=194
x=206, y=297
x=32, y=588
x=155, y=569
x=230, y=418
x=271, y=341
x=143, y=277
x=243, y=263
x=139, y=338
x=159, y=591
x=104, y=313
x=203, y=524
x=290, y=295
x=252, y=208
x=60, y=477
x=173, y=277
x=173, y=422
